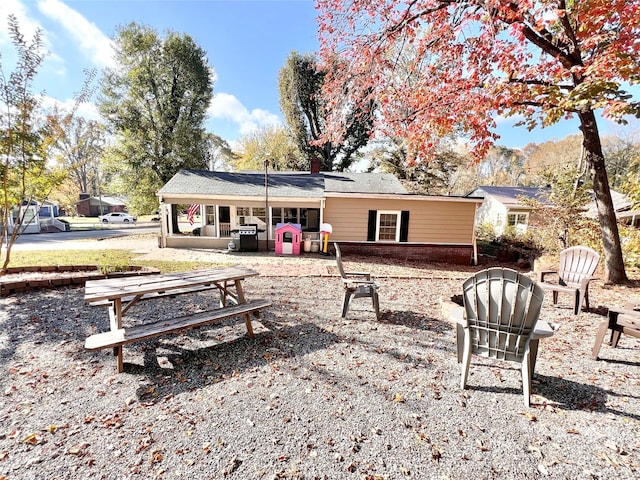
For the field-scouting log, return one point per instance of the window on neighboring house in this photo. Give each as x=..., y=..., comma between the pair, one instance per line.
x=517, y=219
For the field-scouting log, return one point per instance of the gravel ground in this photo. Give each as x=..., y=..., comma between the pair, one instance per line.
x=312, y=395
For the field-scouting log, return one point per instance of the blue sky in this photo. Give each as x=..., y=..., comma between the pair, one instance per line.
x=247, y=42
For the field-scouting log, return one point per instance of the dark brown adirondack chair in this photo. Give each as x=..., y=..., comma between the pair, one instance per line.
x=620, y=320
x=356, y=285
x=577, y=265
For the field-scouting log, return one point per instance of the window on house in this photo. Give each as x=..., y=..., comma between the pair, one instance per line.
x=209, y=214
x=388, y=226
x=517, y=219
x=259, y=216
x=291, y=215
x=310, y=219
x=276, y=216
x=242, y=215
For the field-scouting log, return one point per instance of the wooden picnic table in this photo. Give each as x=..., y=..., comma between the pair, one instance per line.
x=120, y=294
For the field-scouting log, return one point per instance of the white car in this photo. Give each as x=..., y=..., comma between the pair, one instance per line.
x=116, y=217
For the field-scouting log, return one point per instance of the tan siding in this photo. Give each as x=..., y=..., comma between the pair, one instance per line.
x=429, y=221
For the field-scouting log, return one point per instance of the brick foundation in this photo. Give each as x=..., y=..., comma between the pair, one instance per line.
x=423, y=252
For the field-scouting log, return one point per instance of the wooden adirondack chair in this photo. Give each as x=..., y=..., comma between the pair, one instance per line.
x=501, y=308
x=577, y=265
x=356, y=285
x=620, y=320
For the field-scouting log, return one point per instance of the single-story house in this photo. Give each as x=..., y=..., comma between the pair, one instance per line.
x=503, y=206
x=368, y=212
x=621, y=204
x=629, y=217
x=89, y=206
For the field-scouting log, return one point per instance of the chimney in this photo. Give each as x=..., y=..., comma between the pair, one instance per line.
x=315, y=165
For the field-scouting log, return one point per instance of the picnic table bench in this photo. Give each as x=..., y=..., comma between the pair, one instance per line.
x=119, y=295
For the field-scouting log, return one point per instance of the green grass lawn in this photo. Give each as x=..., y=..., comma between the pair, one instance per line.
x=106, y=260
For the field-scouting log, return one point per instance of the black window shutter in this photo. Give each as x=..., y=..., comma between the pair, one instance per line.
x=371, y=229
x=404, y=226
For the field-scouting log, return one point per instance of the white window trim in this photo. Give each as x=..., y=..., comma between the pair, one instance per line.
x=398, y=215
x=516, y=215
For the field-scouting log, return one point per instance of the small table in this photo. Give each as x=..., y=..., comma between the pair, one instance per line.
x=123, y=293
x=619, y=320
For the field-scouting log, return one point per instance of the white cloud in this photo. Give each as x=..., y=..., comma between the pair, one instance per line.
x=512, y=120
x=28, y=25
x=225, y=106
x=86, y=110
x=94, y=44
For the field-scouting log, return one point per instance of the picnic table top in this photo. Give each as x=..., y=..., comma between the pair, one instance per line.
x=112, y=288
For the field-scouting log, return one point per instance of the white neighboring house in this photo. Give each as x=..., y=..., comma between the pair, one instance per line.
x=31, y=219
x=502, y=206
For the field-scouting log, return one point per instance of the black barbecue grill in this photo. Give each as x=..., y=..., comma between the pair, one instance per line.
x=248, y=237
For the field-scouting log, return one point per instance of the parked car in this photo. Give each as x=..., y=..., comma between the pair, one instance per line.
x=116, y=217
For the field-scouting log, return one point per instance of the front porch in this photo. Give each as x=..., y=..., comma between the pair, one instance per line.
x=216, y=226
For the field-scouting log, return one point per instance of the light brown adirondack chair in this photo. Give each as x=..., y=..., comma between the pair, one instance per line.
x=577, y=266
x=501, y=308
x=356, y=285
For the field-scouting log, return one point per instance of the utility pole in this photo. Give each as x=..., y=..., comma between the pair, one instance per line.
x=266, y=200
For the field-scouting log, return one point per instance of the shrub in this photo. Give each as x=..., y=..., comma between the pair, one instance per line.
x=519, y=247
x=630, y=240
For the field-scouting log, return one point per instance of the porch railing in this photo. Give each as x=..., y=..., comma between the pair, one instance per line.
x=225, y=229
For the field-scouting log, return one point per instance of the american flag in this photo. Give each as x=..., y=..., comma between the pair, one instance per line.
x=193, y=209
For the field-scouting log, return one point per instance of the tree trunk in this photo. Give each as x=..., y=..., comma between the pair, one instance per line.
x=614, y=263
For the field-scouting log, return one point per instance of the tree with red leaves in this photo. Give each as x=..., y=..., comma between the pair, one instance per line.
x=441, y=66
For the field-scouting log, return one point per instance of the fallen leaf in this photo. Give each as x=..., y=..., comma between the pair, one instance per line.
x=32, y=438
x=436, y=454
x=481, y=446
x=398, y=398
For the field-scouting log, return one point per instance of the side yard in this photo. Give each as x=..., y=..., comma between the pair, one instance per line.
x=312, y=395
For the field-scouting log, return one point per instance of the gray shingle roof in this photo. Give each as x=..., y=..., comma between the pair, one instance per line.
x=510, y=196
x=362, y=183
x=281, y=184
